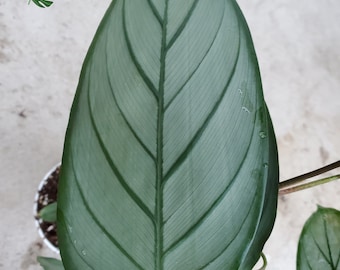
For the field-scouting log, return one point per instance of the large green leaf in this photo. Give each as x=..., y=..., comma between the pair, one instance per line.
x=170, y=159
x=319, y=244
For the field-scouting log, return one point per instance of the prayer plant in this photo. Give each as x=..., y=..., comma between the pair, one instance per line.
x=170, y=159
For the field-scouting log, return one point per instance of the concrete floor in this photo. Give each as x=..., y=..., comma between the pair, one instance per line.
x=41, y=52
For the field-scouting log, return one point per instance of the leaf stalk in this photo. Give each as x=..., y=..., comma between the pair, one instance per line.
x=264, y=259
x=296, y=183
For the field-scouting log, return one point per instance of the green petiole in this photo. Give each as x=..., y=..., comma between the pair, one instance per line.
x=295, y=184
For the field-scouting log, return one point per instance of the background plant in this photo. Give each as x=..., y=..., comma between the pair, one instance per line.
x=41, y=3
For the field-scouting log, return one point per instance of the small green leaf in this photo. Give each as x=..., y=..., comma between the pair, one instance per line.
x=41, y=3
x=319, y=244
x=50, y=263
x=49, y=213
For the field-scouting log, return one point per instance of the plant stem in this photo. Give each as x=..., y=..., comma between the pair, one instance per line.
x=296, y=180
x=264, y=266
x=295, y=184
x=309, y=185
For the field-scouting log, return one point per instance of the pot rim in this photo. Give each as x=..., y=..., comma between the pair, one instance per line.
x=35, y=209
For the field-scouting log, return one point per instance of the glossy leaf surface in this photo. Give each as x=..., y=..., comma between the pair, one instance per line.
x=319, y=244
x=170, y=159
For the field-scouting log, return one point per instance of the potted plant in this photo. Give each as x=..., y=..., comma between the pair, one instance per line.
x=170, y=159
x=45, y=210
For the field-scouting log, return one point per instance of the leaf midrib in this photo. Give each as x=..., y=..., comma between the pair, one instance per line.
x=159, y=156
x=160, y=178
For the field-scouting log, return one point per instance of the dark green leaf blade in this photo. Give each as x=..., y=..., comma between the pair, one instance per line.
x=319, y=244
x=170, y=159
x=50, y=263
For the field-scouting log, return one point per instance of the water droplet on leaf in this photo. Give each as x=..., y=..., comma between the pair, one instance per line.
x=262, y=134
x=245, y=109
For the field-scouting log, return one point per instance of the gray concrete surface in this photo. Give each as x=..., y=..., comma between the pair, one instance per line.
x=41, y=51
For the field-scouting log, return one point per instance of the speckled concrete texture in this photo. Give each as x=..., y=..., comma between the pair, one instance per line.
x=41, y=52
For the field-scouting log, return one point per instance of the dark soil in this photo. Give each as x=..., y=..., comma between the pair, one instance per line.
x=47, y=195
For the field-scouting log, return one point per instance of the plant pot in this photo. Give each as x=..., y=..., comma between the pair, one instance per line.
x=47, y=194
